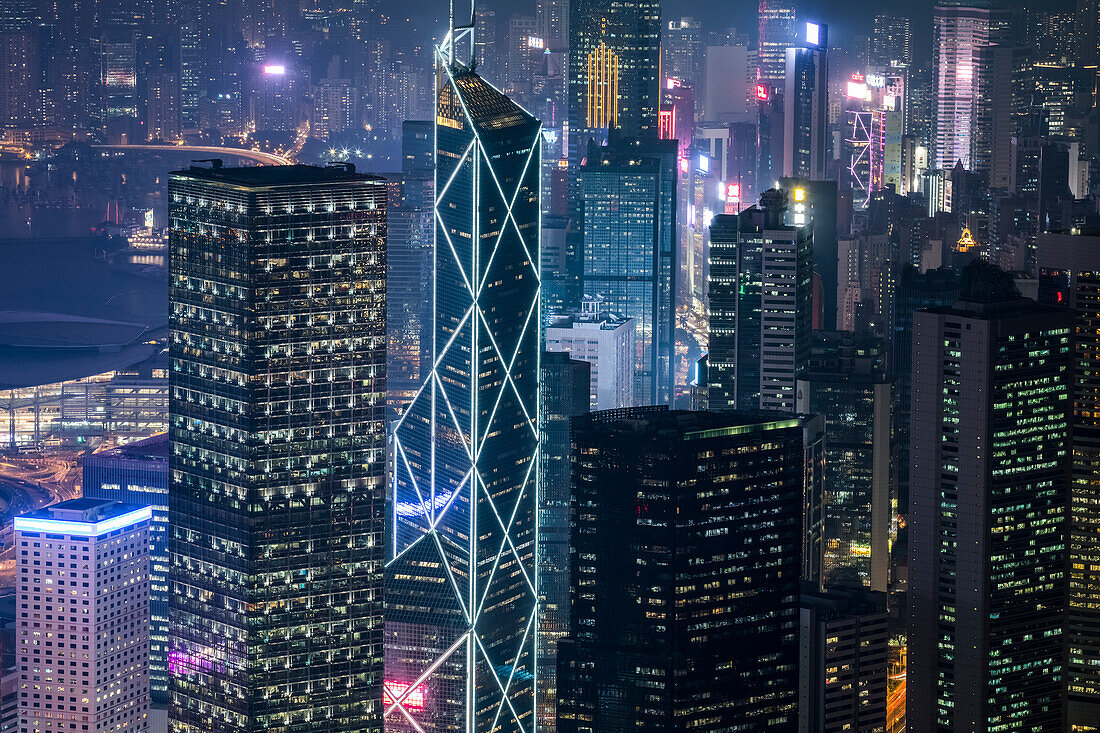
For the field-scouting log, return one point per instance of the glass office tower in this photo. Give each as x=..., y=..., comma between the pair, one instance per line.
x=461, y=590
x=277, y=462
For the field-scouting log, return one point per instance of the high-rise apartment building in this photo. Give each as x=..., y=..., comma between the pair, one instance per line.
x=565, y=395
x=961, y=33
x=1069, y=277
x=629, y=200
x=137, y=473
x=462, y=602
x=776, y=34
x=891, y=41
x=82, y=630
x=761, y=274
x=988, y=515
x=806, y=144
x=685, y=556
x=846, y=383
x=607, y=342
x=278, y=385
x=335, y=108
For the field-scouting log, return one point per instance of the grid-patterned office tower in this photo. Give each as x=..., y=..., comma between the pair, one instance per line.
x=988, y=513
x=82, y=631
x=461, y=598
x=277, y=461
x=137, y=473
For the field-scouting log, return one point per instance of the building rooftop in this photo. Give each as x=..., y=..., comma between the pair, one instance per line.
x=689, y=424
x=154, y=448
x=88, y=517
x=263, y=176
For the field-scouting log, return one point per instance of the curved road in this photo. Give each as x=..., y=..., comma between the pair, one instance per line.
x=254, y=155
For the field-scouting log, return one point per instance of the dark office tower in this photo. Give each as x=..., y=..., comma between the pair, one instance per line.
x=628, y=193
x=418, y=146
x=277, y=347
x=566, y=384
x=163, y=106
x=552, y=22
x=769, y=135
x=410, y=218
x=806, y=144
x=461, y=593
x=989, y=511
x=846, y=383
x=1068, y=277
x=685, y=556
x=137, y=473
x=819, y=204
x=487, y=53
x=891, y=41
x=916, y=291
x=843, y=638
x=761, y=274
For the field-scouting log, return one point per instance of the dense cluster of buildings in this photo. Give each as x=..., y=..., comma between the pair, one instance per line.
x=681, y=378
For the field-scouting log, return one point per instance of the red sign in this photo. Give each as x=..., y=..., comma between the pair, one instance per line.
x=761, y=92
x=413, y=701
x=733, y=191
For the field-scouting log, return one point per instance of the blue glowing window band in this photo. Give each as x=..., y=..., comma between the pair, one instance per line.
x=82, y=529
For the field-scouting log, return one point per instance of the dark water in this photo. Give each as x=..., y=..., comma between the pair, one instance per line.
x=71, y=275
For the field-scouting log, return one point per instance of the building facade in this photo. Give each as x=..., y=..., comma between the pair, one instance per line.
x=607, y=342
x=462, y=602
x=105, y=614
x=137, y=473
x=988, y=515
x=278, y=442
x=760, y=298
x=628, y=193
x=696, y=516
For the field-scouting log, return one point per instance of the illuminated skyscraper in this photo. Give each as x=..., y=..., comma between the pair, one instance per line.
x=614, y=65
x=777, y=34
x=960, y=34
x=806, y=94
x=988, y=515
x=461, y=591
x=106, y=545
x=760, y=296
x=1069, y=276
x=278, y=385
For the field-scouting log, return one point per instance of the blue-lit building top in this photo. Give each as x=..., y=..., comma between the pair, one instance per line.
x=137, y=473
x=629, y=222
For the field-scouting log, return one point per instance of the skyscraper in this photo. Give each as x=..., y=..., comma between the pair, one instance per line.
x=685, y=556
x=106, y=545
x=989, y=511
x=761, y=274
x=846, y=383
x=628, y=193
x=1068, y=277
x=137, y=473
x=961, y=33
x=461, y=591
x=277, y=347
x=806, y=94
x=565, y=388
x=604, y=340
x=614, y=63
x=776, y=35
x=891, y=41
